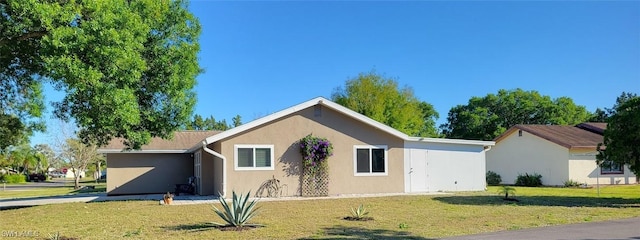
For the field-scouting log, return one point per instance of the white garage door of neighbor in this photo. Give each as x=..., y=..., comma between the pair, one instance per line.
x=418, y=171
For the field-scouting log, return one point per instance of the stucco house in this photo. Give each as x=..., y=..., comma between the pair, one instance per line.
x=558, y=153
x=368, y=157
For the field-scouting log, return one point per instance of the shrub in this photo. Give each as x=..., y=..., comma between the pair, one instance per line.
x=239, y=213
x=571, y=183
x=506, y=190
x=493, y=179
x=14, y=178
x=533, y=180
x=359, y=214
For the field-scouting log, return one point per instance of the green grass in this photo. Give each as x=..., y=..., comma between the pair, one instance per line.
x=407, y=217
x=66, y=189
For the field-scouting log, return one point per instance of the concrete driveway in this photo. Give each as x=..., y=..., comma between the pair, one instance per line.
x=611, y=230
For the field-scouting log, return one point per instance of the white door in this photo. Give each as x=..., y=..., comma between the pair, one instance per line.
x=418, y=171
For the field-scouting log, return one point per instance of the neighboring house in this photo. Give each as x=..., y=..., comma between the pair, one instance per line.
x=368, y=157
x=60, y=174
x=558, y=153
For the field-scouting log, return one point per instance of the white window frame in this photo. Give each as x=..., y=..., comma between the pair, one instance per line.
x=355, y=160
x=254, y=146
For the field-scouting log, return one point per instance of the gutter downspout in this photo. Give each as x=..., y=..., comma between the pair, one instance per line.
x=486, y=148
x=224, y=166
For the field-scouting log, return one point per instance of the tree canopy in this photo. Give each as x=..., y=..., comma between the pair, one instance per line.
x=381, y=99
x=128, y=68
x=210, y=123
x=484, y=118
x=622, y=136
x=601, y=115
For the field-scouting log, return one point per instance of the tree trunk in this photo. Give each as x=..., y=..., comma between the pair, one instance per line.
x=76, y=178
x=98, y=171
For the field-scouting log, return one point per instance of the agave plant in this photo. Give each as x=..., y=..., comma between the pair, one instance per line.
x=359, y=213
x=240, y=211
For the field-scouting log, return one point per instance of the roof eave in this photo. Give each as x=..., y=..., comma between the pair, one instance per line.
x=318, y=100
x=143, y=151
x=583, y=147
x=452, y=141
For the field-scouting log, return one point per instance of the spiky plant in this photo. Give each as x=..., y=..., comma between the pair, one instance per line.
x=359, y=213
x=239, y=213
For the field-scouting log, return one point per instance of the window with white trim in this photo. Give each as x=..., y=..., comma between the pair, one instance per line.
x=253, y=157
x=370, y=160
x=610, y=167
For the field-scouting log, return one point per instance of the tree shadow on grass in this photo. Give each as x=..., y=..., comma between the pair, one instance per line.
x=345, y=232
x=198, y=227
x=543, y=201
x=4, y=208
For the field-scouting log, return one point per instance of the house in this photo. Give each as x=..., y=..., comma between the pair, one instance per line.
x=368, y=157
x=558, y=153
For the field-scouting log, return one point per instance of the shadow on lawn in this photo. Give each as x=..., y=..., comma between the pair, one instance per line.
x=543, y=201
x=345, y=232
x=192, y=227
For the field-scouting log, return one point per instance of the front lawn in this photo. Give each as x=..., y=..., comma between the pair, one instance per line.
x=407, y=217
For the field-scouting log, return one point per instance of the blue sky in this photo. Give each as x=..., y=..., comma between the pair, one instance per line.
x=262, y=57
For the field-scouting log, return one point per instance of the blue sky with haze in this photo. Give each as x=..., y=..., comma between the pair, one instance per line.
x=262, y=57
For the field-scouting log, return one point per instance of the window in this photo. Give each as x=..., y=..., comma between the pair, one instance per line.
x=370, y=160
x=253, y=157
x=609, y=167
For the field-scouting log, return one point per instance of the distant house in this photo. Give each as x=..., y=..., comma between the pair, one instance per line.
x=558, y=153
x=368, y=157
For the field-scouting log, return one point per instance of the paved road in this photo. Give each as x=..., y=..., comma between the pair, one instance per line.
x=624, y=229
x=31, y=185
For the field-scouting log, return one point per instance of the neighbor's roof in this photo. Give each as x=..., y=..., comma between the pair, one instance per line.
x=595, y=127
x=566, y=136
x=182, y=141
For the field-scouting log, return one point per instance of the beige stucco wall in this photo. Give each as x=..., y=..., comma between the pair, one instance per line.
x=528, y=153
x=342, y=131
x=140, y=173
x=583, y=169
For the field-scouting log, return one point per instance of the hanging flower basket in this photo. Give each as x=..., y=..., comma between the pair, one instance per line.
x=315, y=152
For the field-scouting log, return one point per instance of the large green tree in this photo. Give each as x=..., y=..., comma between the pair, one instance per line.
x=601, y=115
x=484, y=118
x=128, y=68
x=622, y=136
x=210, y=123
x=381, y=99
